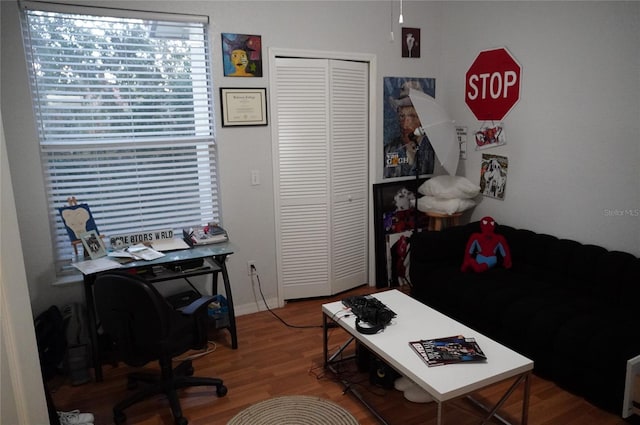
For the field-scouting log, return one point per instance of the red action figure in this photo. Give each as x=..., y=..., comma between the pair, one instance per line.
x=483, y=248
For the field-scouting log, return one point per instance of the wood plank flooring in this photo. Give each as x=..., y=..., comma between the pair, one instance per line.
x=274, y=359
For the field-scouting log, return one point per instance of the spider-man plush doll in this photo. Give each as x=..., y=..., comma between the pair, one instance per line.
x=483, y=248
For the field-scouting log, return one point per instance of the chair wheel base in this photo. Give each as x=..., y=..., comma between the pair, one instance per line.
x=119, y=418
x=221, y=391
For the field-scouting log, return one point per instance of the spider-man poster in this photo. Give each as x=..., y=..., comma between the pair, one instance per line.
x=395, y=221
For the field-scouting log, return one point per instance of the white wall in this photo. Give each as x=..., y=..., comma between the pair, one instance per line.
x=572, y=140
x=22, y=397
x=248, y=215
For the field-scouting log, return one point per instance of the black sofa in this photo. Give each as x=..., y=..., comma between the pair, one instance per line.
x=570, y=307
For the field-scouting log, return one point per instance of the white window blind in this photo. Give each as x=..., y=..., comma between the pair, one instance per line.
x=124, y=112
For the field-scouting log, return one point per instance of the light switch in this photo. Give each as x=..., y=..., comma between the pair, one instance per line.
x=255, y=177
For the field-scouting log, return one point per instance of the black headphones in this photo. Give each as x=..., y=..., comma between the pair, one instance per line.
x=367, y=330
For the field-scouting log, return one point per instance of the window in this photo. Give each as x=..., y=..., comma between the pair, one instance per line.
x=124, y=112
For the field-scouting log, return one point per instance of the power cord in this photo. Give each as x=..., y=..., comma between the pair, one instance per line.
x=210, y=348
x=254, y=271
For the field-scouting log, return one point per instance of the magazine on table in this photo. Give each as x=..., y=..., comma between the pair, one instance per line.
x=448, y=350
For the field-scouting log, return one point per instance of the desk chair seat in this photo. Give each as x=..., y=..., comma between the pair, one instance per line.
x=146, y=328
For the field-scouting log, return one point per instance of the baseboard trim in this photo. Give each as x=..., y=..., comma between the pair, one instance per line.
x=255, y=307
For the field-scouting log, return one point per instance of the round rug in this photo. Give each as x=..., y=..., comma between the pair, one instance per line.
x=294, y=410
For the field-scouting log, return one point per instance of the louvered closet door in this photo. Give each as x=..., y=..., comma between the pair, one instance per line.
x=321, y=176
x=349, y=130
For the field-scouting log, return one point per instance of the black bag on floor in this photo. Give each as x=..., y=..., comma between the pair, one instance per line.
x=52, y=341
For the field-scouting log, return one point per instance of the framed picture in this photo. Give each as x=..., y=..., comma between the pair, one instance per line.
x=493, y=175
x=410, y=42
x=93, y=244
x=242, y=55
x=78, y=220
x=243, y=106
x=395, y=219
x=490, y=136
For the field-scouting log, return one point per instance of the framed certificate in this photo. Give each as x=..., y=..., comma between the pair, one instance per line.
x=243, y=106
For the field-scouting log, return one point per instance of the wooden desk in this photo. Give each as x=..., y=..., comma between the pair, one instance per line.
x=215, y=253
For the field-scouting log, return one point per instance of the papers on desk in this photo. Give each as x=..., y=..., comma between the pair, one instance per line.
x=97, y=265
x=169, y=244
x=136, y=253
x=143, y=252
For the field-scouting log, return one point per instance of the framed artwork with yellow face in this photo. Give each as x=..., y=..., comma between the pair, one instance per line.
x=242, y=55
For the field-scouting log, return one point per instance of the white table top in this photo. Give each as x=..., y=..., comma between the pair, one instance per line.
x=417, y=321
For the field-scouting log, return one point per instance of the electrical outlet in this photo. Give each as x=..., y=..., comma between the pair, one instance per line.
x=251, y=267
x=255, y=177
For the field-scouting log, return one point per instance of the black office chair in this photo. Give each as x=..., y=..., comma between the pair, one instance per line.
x=146, y=327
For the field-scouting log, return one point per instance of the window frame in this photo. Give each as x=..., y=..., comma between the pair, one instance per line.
x=199, y=151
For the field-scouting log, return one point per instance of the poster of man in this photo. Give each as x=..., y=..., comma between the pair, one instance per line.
x=400, y=122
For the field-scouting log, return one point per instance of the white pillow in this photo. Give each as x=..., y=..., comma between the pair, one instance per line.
x=449, y=187
x=444, y=206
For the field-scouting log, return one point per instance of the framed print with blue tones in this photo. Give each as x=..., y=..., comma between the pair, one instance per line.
x=402, y=157
x=242, y=55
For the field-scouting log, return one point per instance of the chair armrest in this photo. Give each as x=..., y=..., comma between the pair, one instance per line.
x=196, y=305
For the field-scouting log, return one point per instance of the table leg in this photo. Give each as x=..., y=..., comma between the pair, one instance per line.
x=329, y=364
x=493, y=413
x=325, y=340
x=93, y=326
x=525, y=399
x=221, y=260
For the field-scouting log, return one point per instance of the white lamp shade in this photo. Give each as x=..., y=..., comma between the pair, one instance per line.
x=439, y=128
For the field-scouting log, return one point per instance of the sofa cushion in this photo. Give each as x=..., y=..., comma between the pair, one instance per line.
x=570, y=348
x=492, y=304
x=529, y=252
x=558, y=254
x=629, y=288
x=604, y=369
x=460, y=294
x=582, y=264
x=517, y=316
x=540, y=332
x=609, y=276
x=518, y=240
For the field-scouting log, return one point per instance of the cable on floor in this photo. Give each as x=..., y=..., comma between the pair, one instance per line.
x=255, y=272
x=206, y=351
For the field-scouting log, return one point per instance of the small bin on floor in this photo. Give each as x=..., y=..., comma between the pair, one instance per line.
x=219, y=312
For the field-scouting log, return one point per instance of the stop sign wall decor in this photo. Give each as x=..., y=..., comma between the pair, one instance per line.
x=492, y=84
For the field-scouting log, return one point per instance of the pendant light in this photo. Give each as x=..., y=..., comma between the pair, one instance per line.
x=401, y=19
